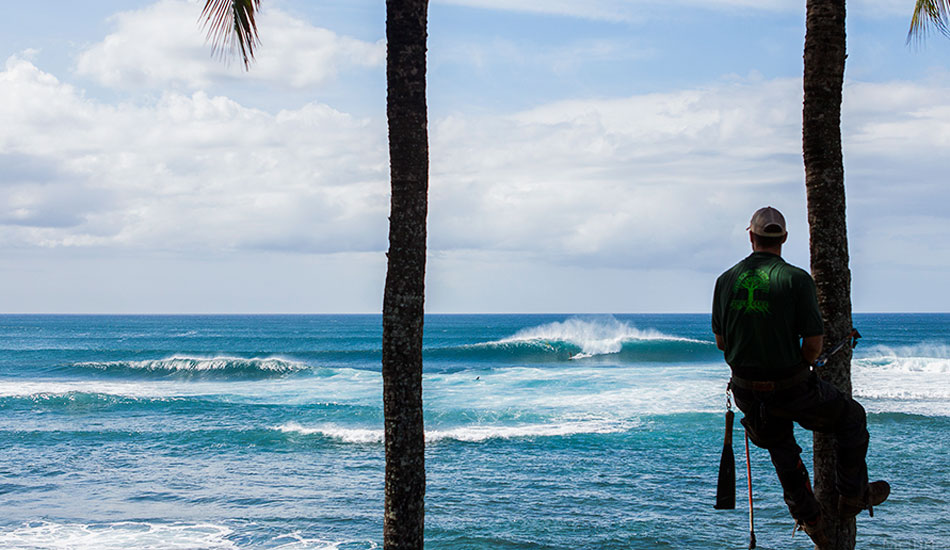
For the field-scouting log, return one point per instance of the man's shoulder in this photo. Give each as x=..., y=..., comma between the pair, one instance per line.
x=750, y=262
x=774, y=261
x=731, y=273
x=795, y=271
x=738, y=266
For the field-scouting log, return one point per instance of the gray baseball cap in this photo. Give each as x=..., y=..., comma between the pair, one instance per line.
x=767, y=222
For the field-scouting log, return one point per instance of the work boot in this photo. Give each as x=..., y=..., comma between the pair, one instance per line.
x=877, y=492
x=815, y=529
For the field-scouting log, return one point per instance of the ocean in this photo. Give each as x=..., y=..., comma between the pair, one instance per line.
x=543, y=432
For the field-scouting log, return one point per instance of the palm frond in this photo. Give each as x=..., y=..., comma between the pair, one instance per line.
x=929, y=15
x=232, y=28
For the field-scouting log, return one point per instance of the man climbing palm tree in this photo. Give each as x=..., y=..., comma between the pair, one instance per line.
x=766, y=319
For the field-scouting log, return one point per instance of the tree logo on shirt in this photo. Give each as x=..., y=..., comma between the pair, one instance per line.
x=751, y=281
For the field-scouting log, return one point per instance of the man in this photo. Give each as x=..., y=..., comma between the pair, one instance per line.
x=766, y=320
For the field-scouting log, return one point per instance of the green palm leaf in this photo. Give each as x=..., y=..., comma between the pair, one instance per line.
x=928, y=15
x=231, y=27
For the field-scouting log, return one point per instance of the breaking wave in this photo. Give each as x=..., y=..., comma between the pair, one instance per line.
x=923, y=358
x=913, y=379
x=197, y=367
x=576, y=339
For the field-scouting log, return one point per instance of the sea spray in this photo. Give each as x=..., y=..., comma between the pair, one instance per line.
x=599, y=336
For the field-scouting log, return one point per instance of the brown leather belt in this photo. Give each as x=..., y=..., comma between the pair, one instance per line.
x=770, y=385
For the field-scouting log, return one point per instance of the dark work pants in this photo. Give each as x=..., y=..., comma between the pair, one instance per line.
x=818, y=406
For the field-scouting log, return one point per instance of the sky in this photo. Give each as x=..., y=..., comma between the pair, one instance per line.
x=586, y=157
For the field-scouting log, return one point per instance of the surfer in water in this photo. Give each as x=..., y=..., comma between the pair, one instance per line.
x=766, y=320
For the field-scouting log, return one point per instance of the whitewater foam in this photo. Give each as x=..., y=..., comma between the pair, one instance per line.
x=600, y=336
x=118, y=536
x=149, y=536
x=299, y=542
x=478, y=433
x=925, y=358
x=911, y=379
x=609, y=392
x=904, y=380
x=473, y=433
x=347, y=435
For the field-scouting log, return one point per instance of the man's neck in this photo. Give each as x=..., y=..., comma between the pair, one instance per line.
x=777, y=250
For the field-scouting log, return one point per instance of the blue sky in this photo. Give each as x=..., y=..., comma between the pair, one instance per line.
x=599, y=156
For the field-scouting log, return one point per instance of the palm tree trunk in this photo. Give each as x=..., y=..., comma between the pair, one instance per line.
x=404, y=295
x=824, y=183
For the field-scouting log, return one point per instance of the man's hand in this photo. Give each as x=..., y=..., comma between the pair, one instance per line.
x=721, y=343
x=811, y=348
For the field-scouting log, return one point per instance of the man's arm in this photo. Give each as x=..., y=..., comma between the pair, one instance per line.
x=721, y=342
x=811, y=347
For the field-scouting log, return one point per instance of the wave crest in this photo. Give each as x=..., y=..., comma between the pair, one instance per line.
x=584, y=338
x=198, y=367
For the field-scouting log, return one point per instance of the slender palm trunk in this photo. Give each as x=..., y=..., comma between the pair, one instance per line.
x=405, y=275
x=824, y=182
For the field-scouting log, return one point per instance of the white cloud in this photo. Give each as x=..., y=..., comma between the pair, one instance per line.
x=631, y=181
x=670, y=179
x=163, y=44
x=896, y=118
x=189, y=172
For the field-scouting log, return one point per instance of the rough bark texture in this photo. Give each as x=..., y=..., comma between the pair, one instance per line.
x=405, y=275
x=824, y=182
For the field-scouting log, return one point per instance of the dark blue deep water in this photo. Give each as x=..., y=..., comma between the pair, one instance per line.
x=544, y=432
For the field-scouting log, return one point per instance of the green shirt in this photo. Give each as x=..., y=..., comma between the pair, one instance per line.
x=762, y=307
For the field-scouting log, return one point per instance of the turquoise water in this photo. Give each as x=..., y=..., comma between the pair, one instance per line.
x=544, y=432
